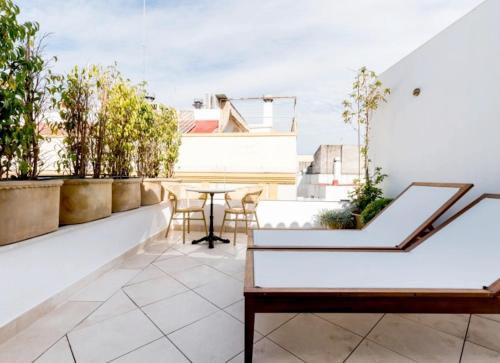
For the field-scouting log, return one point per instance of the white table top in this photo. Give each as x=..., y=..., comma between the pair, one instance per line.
x=211, y=190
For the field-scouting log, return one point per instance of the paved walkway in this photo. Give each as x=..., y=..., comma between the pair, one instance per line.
x=179, y=303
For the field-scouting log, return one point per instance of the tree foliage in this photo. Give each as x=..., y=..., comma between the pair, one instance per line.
x=16, y=65
x=365, y=97
x=368, y=191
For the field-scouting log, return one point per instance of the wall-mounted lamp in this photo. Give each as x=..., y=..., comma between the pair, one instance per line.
x=416, y=92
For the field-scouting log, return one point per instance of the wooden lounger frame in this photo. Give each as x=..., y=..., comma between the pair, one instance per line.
x=356, y=300
x=414, y=237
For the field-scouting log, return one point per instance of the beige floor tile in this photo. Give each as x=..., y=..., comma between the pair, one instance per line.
x=58, y=353
x=484, y=332
x=222, y=292
x=37, y=338
x=157, y=246
x=159, y=351
x=117, y=304
x=264, y=323
x=197, y=276
x=314, y=339
x=113, y=337
x=151, y=291
x=357, y=323
x=454, y=324
x=265, y=351
x=495, y=317
x=170, y=253
x=475, y=354
x=176, y=264
x=178, y=311
x=216, y=338
x=138, y=261
x=149, y=273
x=105, y=286
x=370, y=352
x=416, y=341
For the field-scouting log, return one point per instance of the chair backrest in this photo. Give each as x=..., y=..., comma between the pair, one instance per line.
x=251, y=200
x=178, y=192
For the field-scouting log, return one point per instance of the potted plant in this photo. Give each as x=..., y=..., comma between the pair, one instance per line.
x=82, y=199
x=157, y=149
x=336, y=218
x=365, y=193
x=373, y=209
x=28, y=207
x=122, y=108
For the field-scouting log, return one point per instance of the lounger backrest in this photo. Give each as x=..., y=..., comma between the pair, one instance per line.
x=406, y=216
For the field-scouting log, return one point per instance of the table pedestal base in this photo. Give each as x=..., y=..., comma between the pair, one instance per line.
x=210, y=239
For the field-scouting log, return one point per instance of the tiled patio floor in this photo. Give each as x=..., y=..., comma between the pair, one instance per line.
x=181, y=303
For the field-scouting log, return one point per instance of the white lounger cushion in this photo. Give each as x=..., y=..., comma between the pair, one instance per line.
x=464, y=254
x=393, y=226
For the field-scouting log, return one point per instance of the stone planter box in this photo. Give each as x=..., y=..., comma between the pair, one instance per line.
x=126, y=194
x=151, y=191
x=85, y=200
x=28, y=209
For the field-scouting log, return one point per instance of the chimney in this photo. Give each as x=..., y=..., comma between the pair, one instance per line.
x=267, y=117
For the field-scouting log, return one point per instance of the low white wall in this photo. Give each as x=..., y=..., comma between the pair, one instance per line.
x=276, y=213
x=37, y=269
x=257, y=153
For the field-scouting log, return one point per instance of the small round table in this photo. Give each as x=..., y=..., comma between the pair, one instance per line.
x=211, y=237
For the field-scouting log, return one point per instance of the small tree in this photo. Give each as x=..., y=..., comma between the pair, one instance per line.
x=367, y=94
x=14, y=70
x=38, y=87
x=121, y=129
x=75, y=103
x=158, y=140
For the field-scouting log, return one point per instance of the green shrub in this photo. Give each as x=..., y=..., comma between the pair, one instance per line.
x=336, y=218
x=373, y=209
x=367, y=191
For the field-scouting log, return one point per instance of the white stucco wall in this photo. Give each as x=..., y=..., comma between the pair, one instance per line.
x=451, y=132
x=238, y=153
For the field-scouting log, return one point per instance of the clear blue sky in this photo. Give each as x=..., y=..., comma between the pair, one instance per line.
x=309, y=49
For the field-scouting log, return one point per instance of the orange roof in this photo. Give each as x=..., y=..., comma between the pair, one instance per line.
x=204, y=127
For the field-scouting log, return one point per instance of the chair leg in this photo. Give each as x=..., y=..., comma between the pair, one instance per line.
x=257, y=220
x=189, y=222
x=204, y=221
x=169, y=223
x=246, y=224
x=183, y=228
x=222, y=226
x=235, y=228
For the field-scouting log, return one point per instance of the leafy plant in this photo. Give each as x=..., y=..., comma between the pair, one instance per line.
x=336, y=218
x=38, y=88
x=15, y=67
x=124, y=104
x=75, y=102
x=367, y=94
x=158, y=140
x=368, y=191
x=373, y=209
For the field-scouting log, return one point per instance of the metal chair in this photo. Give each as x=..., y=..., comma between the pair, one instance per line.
x=245, y=207
x=182, y=203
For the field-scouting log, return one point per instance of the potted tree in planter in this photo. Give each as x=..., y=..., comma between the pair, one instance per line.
x=82, y=199
x=157, y=149
x=27, y=207
x=123, y=103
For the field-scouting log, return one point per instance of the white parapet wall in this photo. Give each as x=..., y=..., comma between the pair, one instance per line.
x=450, y=132
x=36, y=270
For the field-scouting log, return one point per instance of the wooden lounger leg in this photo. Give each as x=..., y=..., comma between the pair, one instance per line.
x=249, y=328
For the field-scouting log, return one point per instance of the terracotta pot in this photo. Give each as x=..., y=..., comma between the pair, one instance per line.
x=126, y=194
x=151, y=191
x=28, y=209
x=166, y=182
x=85, y=200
